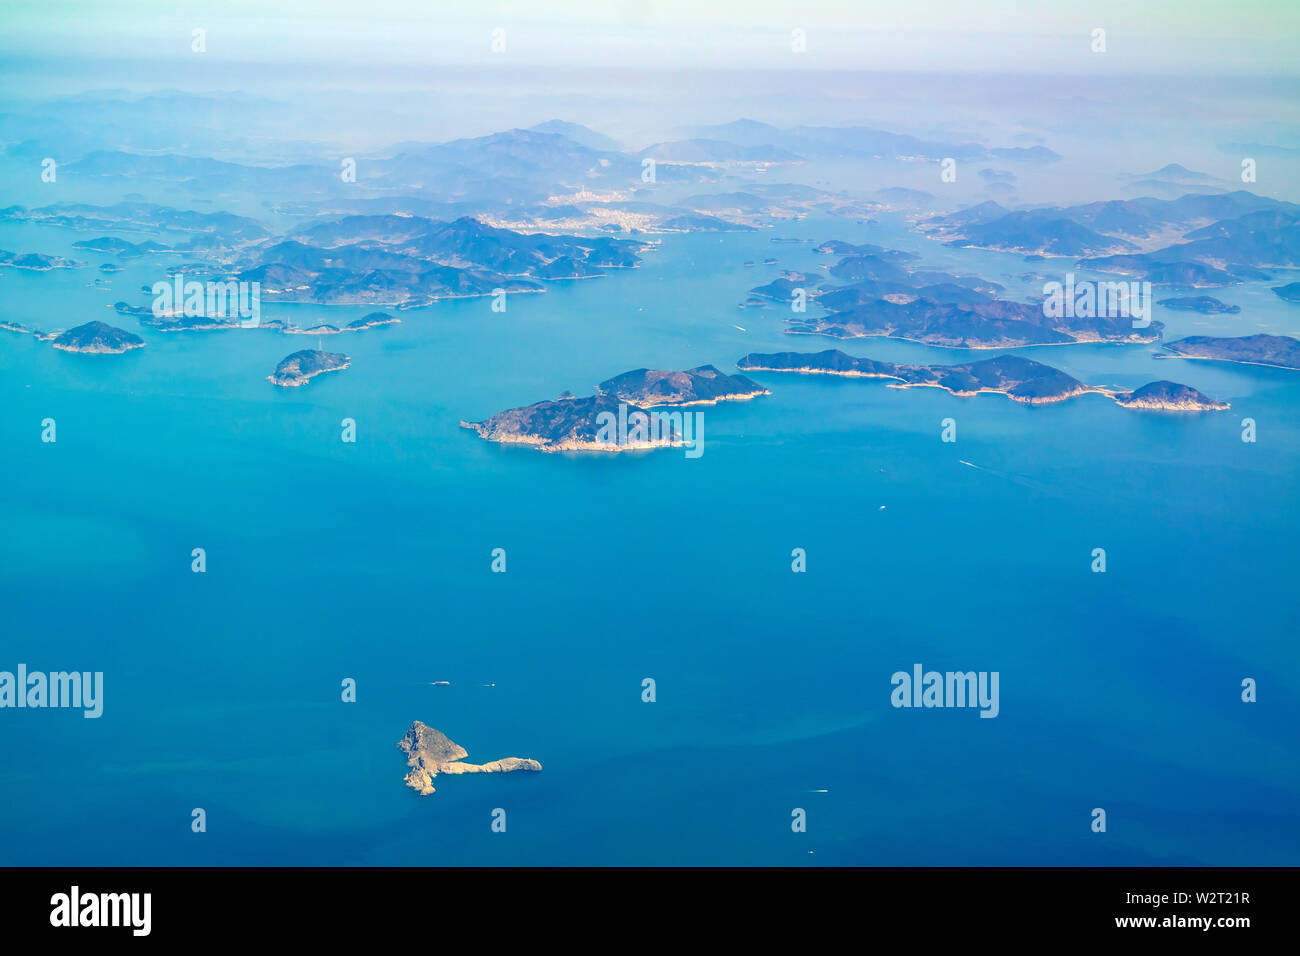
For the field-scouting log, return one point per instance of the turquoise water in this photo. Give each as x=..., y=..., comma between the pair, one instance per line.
x=371, y=561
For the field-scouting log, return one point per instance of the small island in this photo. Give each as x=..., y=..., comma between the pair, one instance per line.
x=98, y=338
x=1204, y=304
x=313, y=330
x=697, y=386
x=1277, y=351
x=301, y=367
x=1020, y=379
x=429, y=752
x=125, y=308
x=371, y=321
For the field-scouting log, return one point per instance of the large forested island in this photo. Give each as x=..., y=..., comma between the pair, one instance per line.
x=301, y=367
x=1020, y=379
x=34, y=261
x=1200, y=239
x=887, y=294
x=992, y=324
x=1280, y=351
x=410, y=261
x=698, y=386
x=567, y=423
x=620, y=416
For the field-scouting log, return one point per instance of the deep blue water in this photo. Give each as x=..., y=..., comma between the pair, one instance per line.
x=371, y=561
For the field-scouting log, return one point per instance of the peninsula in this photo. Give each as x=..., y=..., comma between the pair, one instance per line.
x=1289, y=292
x=429, y=752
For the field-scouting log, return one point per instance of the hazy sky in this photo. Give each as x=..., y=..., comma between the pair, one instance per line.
x=1158, y=36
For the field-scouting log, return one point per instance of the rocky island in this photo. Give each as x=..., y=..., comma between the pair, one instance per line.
x=1020, y=379
x=1278, y=351
x=301, y=367
x=429, y=752
x=98, y=338
x=697, y=386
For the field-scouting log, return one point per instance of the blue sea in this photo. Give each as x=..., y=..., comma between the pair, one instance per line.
x=372, y=561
